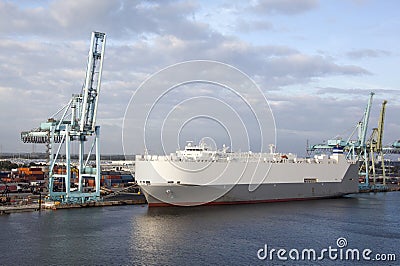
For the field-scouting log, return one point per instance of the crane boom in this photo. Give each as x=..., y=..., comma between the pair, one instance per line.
x=91, y=89
x=380, y=126
x=365, y=121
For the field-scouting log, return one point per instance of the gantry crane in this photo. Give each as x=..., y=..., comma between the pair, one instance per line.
x=356, y=150
x=76, y=124
x=362, y=145
x=375, y=145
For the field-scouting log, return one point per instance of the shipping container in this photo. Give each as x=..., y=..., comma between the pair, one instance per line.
x=127, y=177
x=4, y=174
x=109, y=182
x=11, y=187
x=37, y=173
x=113, y=177
x=89, y=170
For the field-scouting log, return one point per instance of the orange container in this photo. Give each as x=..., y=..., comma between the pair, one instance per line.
x=113, y=177
x=36, y=173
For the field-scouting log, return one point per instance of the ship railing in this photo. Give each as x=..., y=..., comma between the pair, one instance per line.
x=245, y=157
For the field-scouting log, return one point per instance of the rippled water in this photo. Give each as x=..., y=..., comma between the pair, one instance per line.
x=219, y=235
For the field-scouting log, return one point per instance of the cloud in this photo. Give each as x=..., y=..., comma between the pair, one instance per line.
x=122, y=18
x=354, y=91
x=274, y=65
x=365, y=53
x=314, y=118
x=253, y=25
x=44, y=48
x=51, y=79
x=285, y=7
x=71, y=14
x=298, y=68
x=301, y=65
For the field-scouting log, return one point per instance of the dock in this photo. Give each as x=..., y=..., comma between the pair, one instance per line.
x=98, y=204
x=18, y=208
x=378, y=188
x=135, y=199
x=127, y=199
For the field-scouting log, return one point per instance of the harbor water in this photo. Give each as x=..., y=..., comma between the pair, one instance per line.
x=209, y=235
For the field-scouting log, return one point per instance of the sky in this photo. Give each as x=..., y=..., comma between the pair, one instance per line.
x=315, y=63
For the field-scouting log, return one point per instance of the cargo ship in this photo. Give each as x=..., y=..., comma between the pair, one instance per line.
x=198, y=175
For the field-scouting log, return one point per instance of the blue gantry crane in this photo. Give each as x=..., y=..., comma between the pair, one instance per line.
x=363, y=153
x=75, y=122
x=357, y=149
x=354, y=147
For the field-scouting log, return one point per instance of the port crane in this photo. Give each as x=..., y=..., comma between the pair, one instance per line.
x=375, y=145
x=356, y=149
x=361, y=144
x=75, y=122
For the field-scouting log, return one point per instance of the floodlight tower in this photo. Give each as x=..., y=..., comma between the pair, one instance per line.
x=77, y=123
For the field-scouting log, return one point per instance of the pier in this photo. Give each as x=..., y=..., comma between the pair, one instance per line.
x=21, y=206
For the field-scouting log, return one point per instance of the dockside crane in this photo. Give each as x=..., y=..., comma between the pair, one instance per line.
x=356, y=150
x=75, y=122
x=363, y=153
x=375, y=145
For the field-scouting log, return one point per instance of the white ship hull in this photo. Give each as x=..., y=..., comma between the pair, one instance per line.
x=165, y=182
